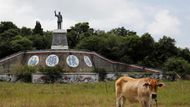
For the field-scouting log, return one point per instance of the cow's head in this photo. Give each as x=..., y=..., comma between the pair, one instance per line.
x=152, y=86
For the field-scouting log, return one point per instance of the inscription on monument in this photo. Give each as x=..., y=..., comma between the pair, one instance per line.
x=87, y=61
x=34, y=60
x=72, y=61
x=52, y=60
x=59, y=39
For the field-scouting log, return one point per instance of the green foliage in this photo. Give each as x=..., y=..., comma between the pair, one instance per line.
x=78, y=32
x=41, y=41
x=185, y=53
x=23, y=69
x=53, y=73
x=24, y=72
x=92, y=43
x=9, y=34
x=118, y=44
x=102, y=73
x=38, y=29
x=13, y=39
x=166, y=48
x=4, y=26
x=5, y=38
x=111, y=44
x=130, y=48
x=51, y=70
x=122, y=32
x=21, y=43
x=24, y=31
x=178, y=65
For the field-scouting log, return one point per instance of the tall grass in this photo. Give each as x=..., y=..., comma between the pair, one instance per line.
x=175, y=94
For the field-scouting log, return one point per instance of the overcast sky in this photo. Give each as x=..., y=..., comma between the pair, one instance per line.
x=158, y=17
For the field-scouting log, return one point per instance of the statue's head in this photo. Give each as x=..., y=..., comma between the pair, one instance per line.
x=59, y=12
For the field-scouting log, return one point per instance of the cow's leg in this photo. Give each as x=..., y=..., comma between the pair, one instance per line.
x=120, y=101
x=144, y=103
x=118, y=96
x=150, y=103
x=123, y=101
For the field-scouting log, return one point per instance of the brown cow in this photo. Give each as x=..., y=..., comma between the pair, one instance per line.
x=143, y=90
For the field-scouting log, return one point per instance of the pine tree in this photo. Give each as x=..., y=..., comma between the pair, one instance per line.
x=38, y=29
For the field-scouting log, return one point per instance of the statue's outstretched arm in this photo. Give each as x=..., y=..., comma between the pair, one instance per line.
x=55, y=13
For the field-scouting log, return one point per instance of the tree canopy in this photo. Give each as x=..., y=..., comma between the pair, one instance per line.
x=14, y=39
x=118, y=44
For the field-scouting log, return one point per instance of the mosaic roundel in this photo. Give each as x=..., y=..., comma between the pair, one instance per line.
x=34, y=60
x=87, y=61
x=72, y=61
x=52, y=60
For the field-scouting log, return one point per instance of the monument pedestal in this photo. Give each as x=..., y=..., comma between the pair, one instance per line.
x=59, y=39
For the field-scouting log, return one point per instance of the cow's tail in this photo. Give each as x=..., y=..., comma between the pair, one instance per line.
x=118, y=89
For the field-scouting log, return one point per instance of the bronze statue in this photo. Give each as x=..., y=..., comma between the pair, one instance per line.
x=59, y=19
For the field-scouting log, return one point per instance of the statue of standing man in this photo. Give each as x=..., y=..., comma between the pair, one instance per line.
x=59, y=19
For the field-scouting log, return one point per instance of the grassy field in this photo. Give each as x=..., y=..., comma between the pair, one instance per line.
x=175, y=94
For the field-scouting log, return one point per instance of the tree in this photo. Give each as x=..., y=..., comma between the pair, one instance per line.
x=78, y=32
x=146, y=50
x=38, y=29
x=20, y=43
x=130, y=49
x=5, y=48
x=111, y=46
x=4, y=26
x=8, y=34
x=24, y=31
x=147, y=44
x=178, y=65
x=121, y=31
x=41, y=41
x=164, y=49
x=184, y=53
x=92, y=43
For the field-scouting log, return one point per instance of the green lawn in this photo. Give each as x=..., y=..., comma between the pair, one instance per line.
x=175, y=94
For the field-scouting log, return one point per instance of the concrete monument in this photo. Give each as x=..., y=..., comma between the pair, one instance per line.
x=59, y=35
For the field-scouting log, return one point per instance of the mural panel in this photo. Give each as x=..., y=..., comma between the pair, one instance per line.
x=66, y=78
x=34, y=60
x=72, y=61
x=87, y=61
x=52, y=60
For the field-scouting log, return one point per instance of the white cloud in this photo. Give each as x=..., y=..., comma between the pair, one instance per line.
x=137, y=15
x=165, y=24
x=101, y=14
x=111, y=14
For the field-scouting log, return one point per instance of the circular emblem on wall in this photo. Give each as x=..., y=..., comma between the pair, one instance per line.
x=34, y=60
x=87, y=61
x=52, y=60
x=72, y=61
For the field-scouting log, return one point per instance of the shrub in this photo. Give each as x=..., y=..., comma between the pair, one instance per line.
x=53, y=73
x=177, y=65
x=23, y=72
x=102, y=73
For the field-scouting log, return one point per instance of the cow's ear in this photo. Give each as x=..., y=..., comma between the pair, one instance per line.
x=146, y=84
x=161, y=85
